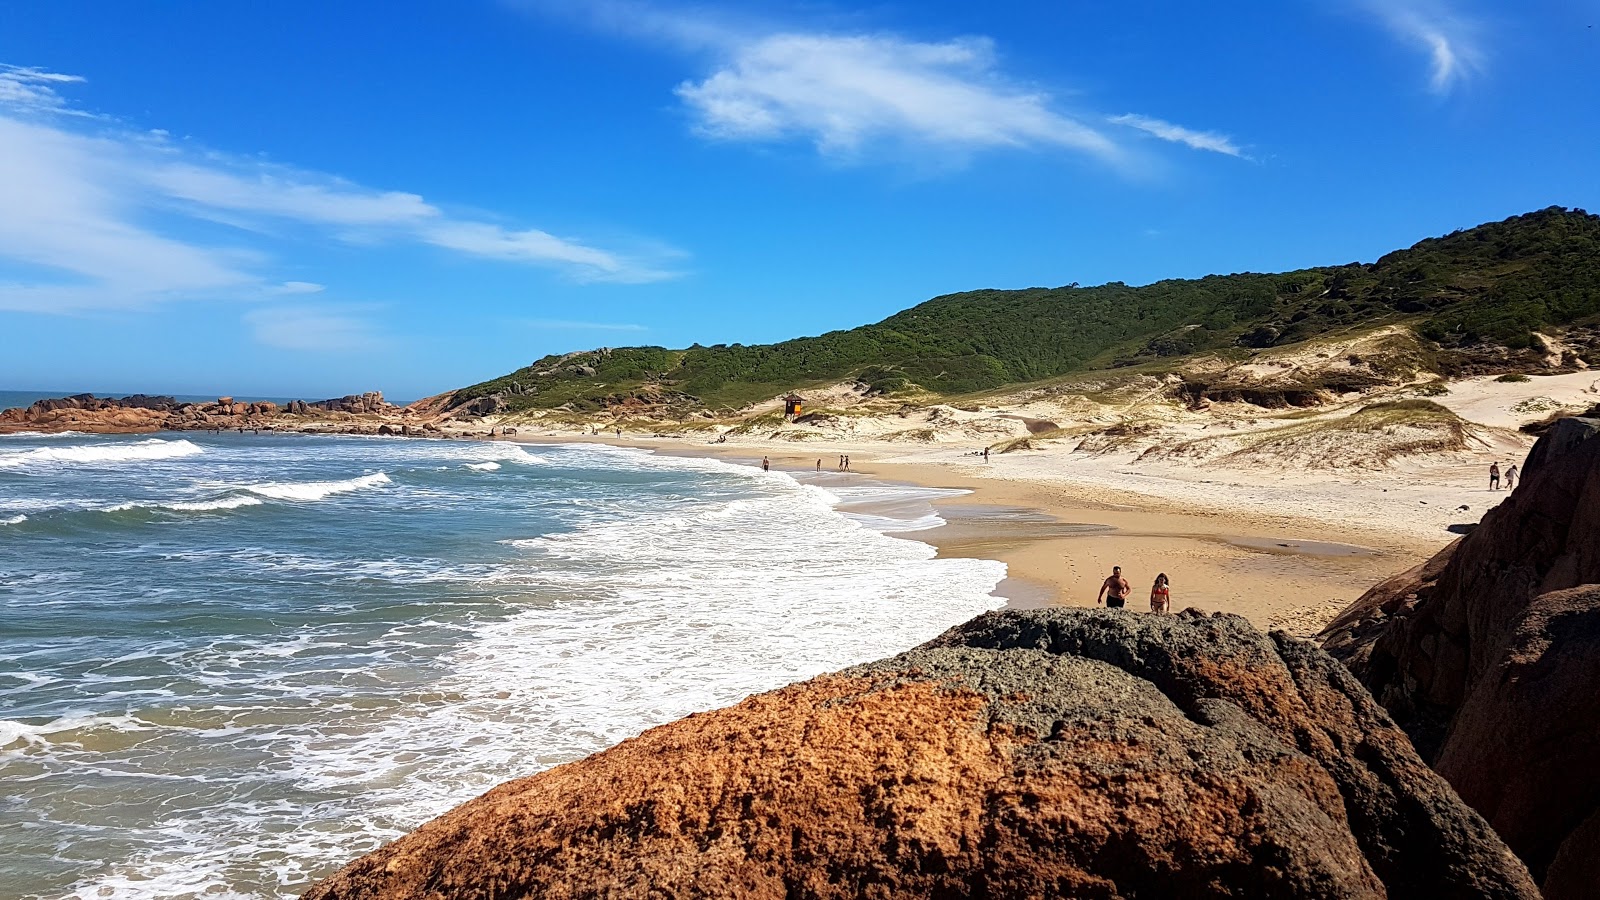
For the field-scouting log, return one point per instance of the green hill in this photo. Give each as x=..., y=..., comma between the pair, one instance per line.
x=1476, y=296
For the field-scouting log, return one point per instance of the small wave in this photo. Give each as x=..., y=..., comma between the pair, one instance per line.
x=317, y=490
x=482, y=466
x=37, y=435
x=143, y=451
x=220, y=503
x=13, y=732
x=14, y=520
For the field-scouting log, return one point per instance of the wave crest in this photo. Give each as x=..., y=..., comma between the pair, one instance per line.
x=308, y=491
x=142, y=451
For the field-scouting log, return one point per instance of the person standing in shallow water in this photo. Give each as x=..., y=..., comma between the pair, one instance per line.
x=765, y=466
x=1114, y=590
x=1161, y=595
x=1494, y=476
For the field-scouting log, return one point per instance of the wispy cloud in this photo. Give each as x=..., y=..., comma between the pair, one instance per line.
x=298, y=287
x=1449, y=38
x=314, y=329
x=1167, y=131
x=850, y=93
x=567, y=325
x=33, y=89
x=846, y=91
x=94, y=215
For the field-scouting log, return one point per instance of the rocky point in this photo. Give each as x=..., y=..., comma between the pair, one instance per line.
x=1049, y=753
x=1489, y=655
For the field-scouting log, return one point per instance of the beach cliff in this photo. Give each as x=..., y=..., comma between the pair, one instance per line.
x=1059, y=752
x=1489, y=655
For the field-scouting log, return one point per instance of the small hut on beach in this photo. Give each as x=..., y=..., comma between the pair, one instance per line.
x=792, y=405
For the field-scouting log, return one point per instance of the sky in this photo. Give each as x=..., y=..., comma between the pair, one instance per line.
x=313, y=199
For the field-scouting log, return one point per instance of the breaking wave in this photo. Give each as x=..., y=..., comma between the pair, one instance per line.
x=90, y=454
x=317, y=490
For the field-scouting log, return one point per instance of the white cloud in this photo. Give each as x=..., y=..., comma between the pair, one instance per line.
x=849, y=93
x=1449, y=39
x=312, y=329
x=33, y=89
x=298, y=287
x=845, y=91
x=1167, y=131
x=96, y=216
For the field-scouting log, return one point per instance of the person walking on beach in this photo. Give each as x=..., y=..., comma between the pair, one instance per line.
x=765, y=466
x=1114, y=590
x=847, y=463
x=1511, y=477
x=986, y=454
x=1494, y=476
x=1161, y=595
x=819, y=465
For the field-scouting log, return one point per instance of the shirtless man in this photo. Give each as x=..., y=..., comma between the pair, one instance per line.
x=1114, y=590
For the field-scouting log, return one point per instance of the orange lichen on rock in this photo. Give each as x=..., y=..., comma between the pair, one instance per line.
x=982, y=765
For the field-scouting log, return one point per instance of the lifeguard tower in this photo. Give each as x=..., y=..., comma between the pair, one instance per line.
x=792, y=405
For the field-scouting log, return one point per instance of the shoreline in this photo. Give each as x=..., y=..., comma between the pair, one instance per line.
x=1058, y=542
x=1285, y=550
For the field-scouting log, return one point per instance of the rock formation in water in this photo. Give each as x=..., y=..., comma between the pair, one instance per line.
x=1072, y=753
x=1489, y=655
x=356, y=413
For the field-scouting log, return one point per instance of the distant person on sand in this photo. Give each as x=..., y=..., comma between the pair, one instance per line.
x=847, y=463
x=1114, y=590
x=986, y=454
x=765, y=466
x=1161, y=595
x=1511, y=477
x=819, y=465
x=1494, y=476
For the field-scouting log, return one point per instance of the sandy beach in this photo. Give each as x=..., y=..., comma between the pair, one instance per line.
x=1286, y=551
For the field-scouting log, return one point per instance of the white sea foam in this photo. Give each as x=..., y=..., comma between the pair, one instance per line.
x=45, y=435
x=16, y=735
x=221, y=503
x=14, y=520
x=141, y=451
x=648, y=608
x=486, y=466
x=317, y=490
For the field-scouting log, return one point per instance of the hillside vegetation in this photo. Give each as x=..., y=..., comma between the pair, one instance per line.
x=1477, y=297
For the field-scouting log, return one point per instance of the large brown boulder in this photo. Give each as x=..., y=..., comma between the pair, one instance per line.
x=1487, y=654
x=1523, y=747
x=1071, y=753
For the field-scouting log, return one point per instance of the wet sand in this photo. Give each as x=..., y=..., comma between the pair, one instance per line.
x=1290, y=572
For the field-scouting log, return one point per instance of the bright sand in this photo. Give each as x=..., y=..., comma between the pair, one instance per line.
x=1287, y=550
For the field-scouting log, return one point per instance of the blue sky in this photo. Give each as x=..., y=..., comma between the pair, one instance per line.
x=311, y=199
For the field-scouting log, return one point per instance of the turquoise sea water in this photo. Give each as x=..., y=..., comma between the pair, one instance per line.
x=228, y=663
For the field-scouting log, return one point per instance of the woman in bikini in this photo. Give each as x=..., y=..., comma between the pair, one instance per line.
x=1160, y=595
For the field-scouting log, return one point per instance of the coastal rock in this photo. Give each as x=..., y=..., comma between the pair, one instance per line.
x=1522, y=748
x=1078, y=753
x=1488, y=654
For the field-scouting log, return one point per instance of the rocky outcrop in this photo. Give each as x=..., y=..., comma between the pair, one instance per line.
x=1074, y=753
x=1489, y=656
x=142, y=413
x=1523, y=746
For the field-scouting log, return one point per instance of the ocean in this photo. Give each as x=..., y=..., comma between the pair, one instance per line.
x=231, y=663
